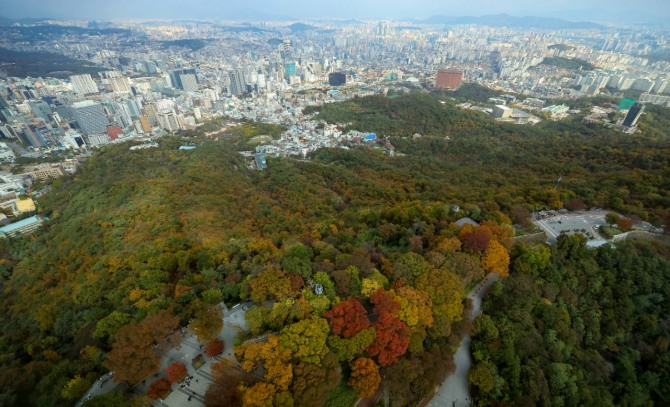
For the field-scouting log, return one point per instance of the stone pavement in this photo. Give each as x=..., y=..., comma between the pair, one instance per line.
x=187, y=348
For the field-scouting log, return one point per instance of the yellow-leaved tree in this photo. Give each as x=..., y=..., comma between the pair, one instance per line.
x=496, y=259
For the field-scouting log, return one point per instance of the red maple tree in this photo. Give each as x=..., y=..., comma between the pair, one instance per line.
x=348, y=318
x=391, y=341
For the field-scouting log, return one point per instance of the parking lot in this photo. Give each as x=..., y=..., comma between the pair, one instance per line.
x=586, y=223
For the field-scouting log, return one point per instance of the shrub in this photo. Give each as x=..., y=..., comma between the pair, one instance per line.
x=198, y=361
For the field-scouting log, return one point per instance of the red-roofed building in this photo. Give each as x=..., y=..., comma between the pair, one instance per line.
x=114, y=132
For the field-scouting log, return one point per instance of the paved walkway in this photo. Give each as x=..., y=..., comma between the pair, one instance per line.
x=186, y=349
x=455, y=391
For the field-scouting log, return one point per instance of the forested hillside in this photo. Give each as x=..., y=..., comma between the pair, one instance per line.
x=578, y=327
x=145, y=241
x=483, y=160
x=137, y=232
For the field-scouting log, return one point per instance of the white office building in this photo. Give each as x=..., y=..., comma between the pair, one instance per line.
x=83, y=84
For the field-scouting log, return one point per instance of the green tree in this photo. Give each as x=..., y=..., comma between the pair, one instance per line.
x=348, y=348
x=255, y=319
x=207, y=322
x=109, y=325
x=307, y=339
x=75, y=388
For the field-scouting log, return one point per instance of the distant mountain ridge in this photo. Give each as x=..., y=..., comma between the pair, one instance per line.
x=8, y=22
x=505, y=20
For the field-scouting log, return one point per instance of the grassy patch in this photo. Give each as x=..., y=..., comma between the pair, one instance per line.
x=341, y=396
x=608, y=232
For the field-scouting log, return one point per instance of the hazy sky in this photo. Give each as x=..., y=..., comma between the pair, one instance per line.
x=657, y=11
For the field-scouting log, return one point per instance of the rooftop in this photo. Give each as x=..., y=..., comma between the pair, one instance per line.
x=84, y=103
x=16, y=225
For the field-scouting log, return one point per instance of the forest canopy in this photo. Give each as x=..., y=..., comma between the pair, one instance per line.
x=158, y=237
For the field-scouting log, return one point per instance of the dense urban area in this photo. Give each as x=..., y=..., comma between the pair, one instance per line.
x=334, y=213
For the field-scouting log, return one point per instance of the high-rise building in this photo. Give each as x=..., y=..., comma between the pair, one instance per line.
x=151, y=112
x=83, y=84
x=633, y=114
x=40, y=110
x=290, y=69
x=168, y=121
x=189, y=82
x=145, y=125
x=337, y=79
x=287, y=46
x=90, y=116
x=448, y=78
x=176, y=77
x=119, y=84
x=5, y=112
x=134, y=107
x=237, y=82
x=8, y=131
x=32, y=136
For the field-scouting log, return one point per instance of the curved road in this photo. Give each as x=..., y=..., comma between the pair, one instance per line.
x=455, y=389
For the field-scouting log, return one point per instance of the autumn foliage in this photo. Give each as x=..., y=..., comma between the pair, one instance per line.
x=365, y=377
x=476, y=242
x=175, y=372
x=214, y=348
x=312, y=383
x=132, y=357
x=159, y=389
x=383, y=301
x=227, y=385
x=269, y=356
x=259, y=395
x=496, y=259
x=624, y=223
x=347, y=318
x=391, y=341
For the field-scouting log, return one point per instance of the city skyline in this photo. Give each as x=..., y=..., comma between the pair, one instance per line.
x=618, y=11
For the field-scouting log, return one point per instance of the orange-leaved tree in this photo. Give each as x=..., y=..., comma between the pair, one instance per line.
x=175, y=372
x=132, y=357
x=365, y=377
x=159, y=389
